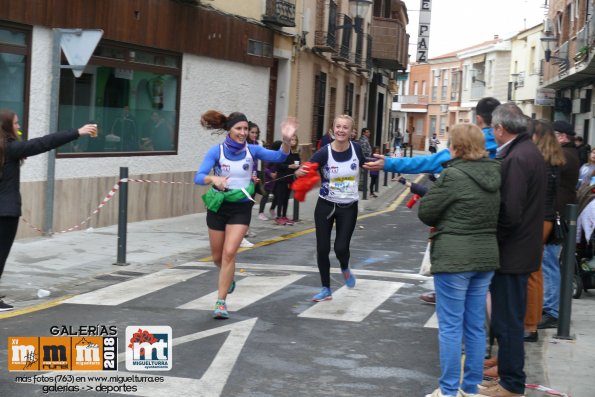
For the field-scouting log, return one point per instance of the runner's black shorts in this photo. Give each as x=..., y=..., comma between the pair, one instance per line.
x=230, y=214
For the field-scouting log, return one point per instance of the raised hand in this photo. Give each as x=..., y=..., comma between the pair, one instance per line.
x=288, y=128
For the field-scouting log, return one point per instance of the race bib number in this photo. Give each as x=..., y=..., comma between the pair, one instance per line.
x=343, y=185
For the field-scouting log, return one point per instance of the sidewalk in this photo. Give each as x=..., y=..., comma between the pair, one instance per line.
x=81, y=261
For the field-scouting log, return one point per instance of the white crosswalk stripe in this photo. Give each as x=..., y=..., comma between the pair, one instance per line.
x=314, y=269
x=354, y=304
x=128, y=290
x=432, y=322
x=248, y=290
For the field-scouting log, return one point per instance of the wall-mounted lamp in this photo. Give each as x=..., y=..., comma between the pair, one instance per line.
x=358, y=9
x=546, y=40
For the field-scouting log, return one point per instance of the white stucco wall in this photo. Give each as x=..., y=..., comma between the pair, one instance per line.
x=206, y=83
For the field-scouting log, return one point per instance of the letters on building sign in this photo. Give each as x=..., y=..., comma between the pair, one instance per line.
x=423, y=37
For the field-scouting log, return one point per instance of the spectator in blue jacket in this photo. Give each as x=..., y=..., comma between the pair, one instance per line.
x=433, y=163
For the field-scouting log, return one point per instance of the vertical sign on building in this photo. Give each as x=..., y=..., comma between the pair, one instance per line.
x=423, y=35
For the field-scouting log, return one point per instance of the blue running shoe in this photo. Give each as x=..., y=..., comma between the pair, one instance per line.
x=220, y=310
x=324, y=295
x=349, y=278
x=232, y=287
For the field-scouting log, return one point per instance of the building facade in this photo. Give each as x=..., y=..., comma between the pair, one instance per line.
x=568, y=44
x=161, y=63
x=526, y=72
x=151, y=76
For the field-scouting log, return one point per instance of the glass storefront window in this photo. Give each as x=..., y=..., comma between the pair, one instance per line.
x=13, y=71
x=134, y=106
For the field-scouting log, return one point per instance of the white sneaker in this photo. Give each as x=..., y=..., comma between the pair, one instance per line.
x=438, y=393
x=262, y=217
x=246, y=244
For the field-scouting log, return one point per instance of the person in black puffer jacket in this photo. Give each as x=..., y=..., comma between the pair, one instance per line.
x=12, y=151
x=542, y=133
x=566, y=194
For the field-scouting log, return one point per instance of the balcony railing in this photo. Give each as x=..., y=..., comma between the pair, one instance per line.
x=411, y=99
x=390, y=43
x=478, y=91
x=355, y=60
x=280, y=13
x=324, y=41
x=342, y=55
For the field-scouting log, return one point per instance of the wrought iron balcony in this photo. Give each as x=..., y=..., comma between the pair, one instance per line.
x=411, y=99
x=324, y=41
x=280, y=13
x=342, y=55
x=355, y=60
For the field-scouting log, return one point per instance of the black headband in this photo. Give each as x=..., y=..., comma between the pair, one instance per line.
x=234, y=120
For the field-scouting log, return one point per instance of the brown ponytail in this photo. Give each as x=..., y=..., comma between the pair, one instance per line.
x=214, y=120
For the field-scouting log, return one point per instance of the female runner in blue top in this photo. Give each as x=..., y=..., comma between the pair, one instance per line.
x=229, y=200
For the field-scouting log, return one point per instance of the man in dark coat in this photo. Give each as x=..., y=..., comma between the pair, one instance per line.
x=566, y=194
x=583, y=149
x=519, y=232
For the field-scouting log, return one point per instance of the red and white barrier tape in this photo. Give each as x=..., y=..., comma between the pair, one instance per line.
x=107, y=198
x=149, y=181
x=546, y=389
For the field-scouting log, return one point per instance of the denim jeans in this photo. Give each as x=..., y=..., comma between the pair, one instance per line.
x=551, y=279
x=461, y=309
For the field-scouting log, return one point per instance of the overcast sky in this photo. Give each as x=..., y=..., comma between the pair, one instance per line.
x=457, y=24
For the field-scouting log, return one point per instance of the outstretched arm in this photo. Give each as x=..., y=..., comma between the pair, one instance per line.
x=417, y=165
x=32, y=147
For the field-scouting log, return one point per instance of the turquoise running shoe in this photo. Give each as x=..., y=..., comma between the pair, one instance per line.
x=324, y=295
x=232, y=287
x=349, y=278
x=220, y=310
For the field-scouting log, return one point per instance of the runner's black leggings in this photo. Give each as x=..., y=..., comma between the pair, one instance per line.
x=345, y=215
x=8, y=231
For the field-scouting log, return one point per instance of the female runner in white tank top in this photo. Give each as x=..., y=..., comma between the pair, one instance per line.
x=339, y=163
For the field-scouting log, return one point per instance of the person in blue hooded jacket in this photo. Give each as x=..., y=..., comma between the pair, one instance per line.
x=433, y=163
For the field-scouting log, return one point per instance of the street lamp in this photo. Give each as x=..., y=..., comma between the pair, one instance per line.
x=359, y=9
x=545, y=41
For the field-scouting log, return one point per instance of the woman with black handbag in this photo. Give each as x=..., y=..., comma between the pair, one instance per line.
x=543, y=135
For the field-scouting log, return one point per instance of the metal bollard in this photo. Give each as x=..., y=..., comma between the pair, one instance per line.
x=365, y=189
x=122, y=217
x=568, y=266
x=386, y=178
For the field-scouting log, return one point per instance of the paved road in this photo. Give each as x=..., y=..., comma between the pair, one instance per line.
x=374, y=340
